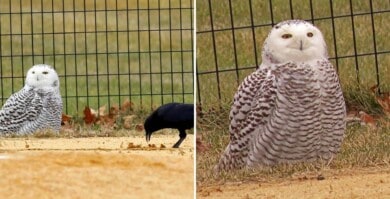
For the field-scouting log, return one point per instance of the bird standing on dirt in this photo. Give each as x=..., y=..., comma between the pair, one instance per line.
x=173, y=115
x=37, y=106
x=291, y=109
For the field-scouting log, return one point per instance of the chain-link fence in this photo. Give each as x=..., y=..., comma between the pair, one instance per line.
x=230, y=36
x=105, y=51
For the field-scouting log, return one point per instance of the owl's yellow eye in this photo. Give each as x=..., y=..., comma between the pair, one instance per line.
x=45, y=72
x=309, y=34
x=286, y=36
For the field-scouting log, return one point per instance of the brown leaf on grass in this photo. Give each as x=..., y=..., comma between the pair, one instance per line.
x=374, y=89
x=200, y=146
x=89, y=118
x=367, y=119
x=199, y=112
x=66, y=123
x=139, y=127
x=94, y=112
x=102, y=110
x=127, y=106
x=152, y=146
x=128, y=121
x=162, y=146
x=65, y=119
x=106, y=120
x=110, y=119
x=114, y=110
x=384, y=101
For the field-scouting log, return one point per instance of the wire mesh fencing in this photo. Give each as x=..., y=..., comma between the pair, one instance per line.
x=230, y=36
x=105, y=51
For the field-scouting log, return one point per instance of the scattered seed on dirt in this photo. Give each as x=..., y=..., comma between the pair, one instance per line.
x=320, y=177
x=132, y=146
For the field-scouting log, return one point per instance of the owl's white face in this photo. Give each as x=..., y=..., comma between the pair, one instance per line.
x=42, y=76
x=294, y=41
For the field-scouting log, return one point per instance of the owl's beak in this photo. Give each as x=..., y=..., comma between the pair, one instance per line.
x=301, y=45
x=38, y=77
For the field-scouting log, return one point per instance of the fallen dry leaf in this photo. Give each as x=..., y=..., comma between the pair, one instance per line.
x=199, y=112
x=139, y=127
x=367, y=119
x=114, y=110
x=102, y=110
x=89, y=118
x=200, y=147
x=127, y=106
x=132, y=145
x=128, y=121
x=106, y=120
x=384, y=101
x=374, y=89
x=65, y=120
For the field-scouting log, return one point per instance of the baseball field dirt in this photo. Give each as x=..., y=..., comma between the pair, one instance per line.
x=349, y=184
x=96, y=167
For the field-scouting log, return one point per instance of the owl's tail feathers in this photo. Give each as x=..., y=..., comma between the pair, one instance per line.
x=230, y=160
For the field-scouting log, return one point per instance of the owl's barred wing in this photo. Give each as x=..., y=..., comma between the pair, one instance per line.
x=253, y=95
x=21, y=107
x=252, y=105
x=54, y=109
x=333, y=111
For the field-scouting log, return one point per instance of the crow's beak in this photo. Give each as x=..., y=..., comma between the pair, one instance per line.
x=148, y=136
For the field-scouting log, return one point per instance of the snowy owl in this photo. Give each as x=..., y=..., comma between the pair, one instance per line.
x=291, y=109
x=37, y=106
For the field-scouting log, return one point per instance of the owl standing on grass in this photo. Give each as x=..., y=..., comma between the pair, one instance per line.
x=38, y=106
x=291, y=109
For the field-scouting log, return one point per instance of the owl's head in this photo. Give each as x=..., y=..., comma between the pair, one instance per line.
x=42, y=76
x=294, y=41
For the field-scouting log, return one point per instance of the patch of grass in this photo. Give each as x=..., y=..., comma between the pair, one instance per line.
x=360, y=99
x=362, y=147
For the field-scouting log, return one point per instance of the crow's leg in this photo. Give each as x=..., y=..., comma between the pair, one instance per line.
x=183, y=136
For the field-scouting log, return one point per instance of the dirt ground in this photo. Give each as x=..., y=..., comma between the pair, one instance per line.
x=125, y=167
x=368, y=183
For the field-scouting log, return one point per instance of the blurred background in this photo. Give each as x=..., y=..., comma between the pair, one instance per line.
x=105, y=51
x=230, y=36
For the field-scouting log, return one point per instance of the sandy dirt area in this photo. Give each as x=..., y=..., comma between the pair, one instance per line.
x=125, y=167
x=347, y=184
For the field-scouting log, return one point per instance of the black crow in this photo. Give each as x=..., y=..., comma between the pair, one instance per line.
x=173, y=115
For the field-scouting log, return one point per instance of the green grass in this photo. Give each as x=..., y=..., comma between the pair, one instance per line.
x=362, y=147
x=123, y=71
